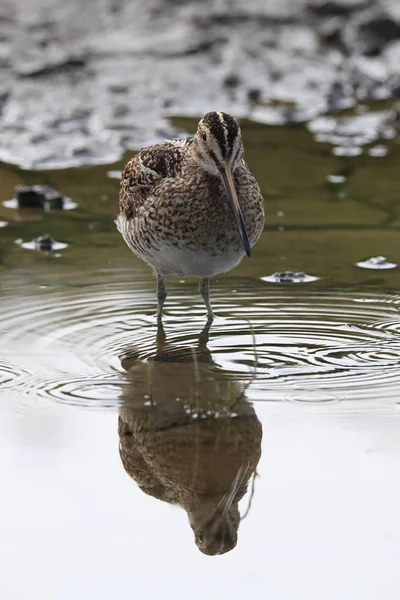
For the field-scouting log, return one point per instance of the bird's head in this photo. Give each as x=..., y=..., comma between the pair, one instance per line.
x=219, y=142
x=219, y=151
x=216, y=534
x=215, y=526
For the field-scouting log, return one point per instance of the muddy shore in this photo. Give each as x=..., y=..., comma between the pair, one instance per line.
x=80, y=82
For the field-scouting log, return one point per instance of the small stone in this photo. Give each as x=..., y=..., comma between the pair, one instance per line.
x=28, y=197
x=339, y=96
x=376, y=262
x=375, y=34
x=44, y=243
x=121, y=110
x=254, y=95
x=117, y=88
x=289, y=277
x=231, y=81
x=53, y=199
x=329, y=8
x=38, y=196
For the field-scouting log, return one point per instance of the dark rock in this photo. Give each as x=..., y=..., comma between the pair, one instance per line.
x=190, y=46
x=121, y=110
x=38, y=196
x=236, y=18
x=336, y=95
x=335, y=9
x=41, y=70
x=53, y=199
x=82, y=151
x=117, y=88
x=231, y=81
x=289, y=276
x=375, y=34
x=330, y=32
x=28, y=197
x=276, y=75
x=254, y=95
x=4, y=95
x=39, y=138
x=200, y=47
x=44, y=243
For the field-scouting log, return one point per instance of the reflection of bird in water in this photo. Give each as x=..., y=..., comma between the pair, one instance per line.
x=188, y=436
x=190, y=207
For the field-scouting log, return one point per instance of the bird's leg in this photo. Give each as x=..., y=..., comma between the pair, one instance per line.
x=161, y=337
x=204, y=288
x=204, y=336
x=161, y=295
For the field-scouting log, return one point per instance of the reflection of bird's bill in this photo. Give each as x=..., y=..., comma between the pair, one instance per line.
x=226, y=174
x=227, y=499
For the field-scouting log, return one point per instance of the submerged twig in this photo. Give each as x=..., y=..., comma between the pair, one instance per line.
x=253, y=487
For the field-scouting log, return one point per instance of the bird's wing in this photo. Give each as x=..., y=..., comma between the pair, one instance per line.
x=148, y=168
x=154, y=163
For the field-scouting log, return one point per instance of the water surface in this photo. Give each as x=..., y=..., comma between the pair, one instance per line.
x=113, y=438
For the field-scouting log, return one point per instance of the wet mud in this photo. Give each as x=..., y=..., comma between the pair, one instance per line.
x=80, y=82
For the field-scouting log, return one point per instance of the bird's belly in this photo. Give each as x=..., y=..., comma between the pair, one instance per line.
x=171, y=261
x=187, y=258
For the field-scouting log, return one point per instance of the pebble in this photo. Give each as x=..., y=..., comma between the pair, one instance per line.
x=376, y=262
x=43, y=243
x=290, y=277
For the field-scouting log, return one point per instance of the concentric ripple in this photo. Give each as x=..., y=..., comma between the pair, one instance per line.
x=300, y=346
x=11, y=374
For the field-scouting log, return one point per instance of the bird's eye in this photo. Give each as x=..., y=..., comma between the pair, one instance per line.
x=204, y=135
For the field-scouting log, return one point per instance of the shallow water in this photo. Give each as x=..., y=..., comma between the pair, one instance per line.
x=307, y=373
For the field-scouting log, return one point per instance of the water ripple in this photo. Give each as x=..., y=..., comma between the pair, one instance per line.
x=301, y=347
x=11, y=374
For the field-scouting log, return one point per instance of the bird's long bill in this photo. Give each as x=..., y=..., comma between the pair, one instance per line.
x=226, y=174
x=227, y=499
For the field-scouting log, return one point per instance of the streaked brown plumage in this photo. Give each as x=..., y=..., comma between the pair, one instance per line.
x=191, y=207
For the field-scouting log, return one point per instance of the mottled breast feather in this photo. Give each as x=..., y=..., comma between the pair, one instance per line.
x=146, y=169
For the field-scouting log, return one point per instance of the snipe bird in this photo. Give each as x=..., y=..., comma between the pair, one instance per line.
x=190, y=207
x=193, y=453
